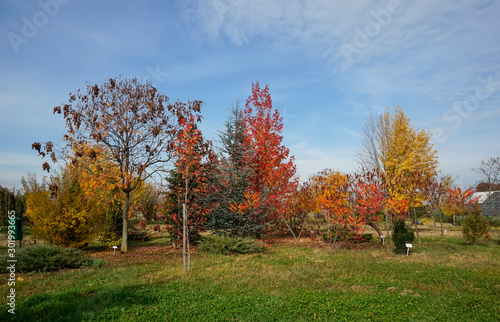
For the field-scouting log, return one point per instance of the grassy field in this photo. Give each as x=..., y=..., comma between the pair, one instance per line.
x=441, y=280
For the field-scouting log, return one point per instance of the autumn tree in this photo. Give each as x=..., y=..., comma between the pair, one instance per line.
x=67, y=216
x=414, y=186
x=464, y=204
x=369, y=202
x=396, y=210
x=299, y=205
x=98, y=173
x=331, y=185
x=193, y=157
x=405, y=151
x=404, y=155
x=273, y=167
x=460, y=203
x=367, y=196
x=133, y=121
x=113, y=225
x=147, y=200
x=437, y=192
x=331, y=194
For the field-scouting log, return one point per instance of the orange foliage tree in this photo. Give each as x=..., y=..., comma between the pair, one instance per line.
x=273, y=167
x=333, y=209
x=299, y=205
x=369, y=202
x=461, y=202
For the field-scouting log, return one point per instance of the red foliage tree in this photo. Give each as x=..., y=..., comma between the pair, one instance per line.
x=369, y=201
x=461, y=202
x=193, y=156
x=274, y=169
x=344, y=225
x=397, y=209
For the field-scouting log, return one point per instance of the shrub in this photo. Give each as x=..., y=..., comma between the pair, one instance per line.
x=46, y=258
x=366, y=238
x=143, y=224
x=64, y=212
x=401, y=236
x=474, y=227
x=113, y=228
x=226, y=245
x=109, y=243
x=494, y=221
x=138, y=234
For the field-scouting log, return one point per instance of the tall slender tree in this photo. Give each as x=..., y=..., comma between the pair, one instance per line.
x=194, y=155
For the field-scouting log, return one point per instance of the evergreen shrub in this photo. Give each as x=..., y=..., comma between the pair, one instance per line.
x=401, y=236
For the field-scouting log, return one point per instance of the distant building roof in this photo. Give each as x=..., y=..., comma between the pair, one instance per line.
x=483, y=196
x=489, y=202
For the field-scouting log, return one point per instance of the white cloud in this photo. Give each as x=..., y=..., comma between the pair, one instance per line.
x=311, y=159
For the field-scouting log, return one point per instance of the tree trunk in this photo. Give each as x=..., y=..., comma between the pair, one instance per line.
x=386, y=223
x=188, y=251
x=441, y=219
x=184, y=236
x=374, y=226
x=416, y=225
x=126, y=208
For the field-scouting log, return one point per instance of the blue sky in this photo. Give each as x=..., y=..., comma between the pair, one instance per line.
x=329, y=64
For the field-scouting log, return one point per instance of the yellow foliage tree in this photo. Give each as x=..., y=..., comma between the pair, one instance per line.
x=407, y=157
x=146, y=200
x=403, y=155
x=67, y=216
x=71, y=210
x=95, y=170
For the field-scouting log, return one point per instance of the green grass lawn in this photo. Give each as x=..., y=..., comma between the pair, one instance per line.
x=441, y=280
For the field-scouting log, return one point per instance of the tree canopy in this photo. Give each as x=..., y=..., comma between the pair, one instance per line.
x=135, y=124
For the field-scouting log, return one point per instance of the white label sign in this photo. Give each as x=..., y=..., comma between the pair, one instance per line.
x=409, y=245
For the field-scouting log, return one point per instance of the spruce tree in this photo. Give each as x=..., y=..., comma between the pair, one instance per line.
x=232, y=180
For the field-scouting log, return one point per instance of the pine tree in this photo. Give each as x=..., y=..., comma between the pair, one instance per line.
x=232, y=179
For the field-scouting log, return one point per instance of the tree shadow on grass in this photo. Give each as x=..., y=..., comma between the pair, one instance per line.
x=86, y=305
